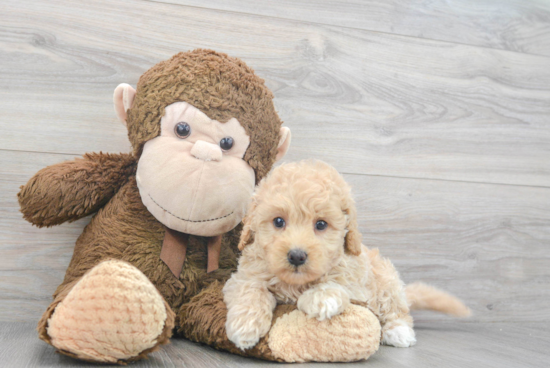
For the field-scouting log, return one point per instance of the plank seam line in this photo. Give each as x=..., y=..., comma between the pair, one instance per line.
x=47, y=153
x=448, y=180
x=345, y=27
x=342, y=172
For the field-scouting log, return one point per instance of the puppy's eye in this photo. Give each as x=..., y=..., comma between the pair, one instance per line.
x=278, y=222
x=321, y=225
x=226, y=143
x=182, y=130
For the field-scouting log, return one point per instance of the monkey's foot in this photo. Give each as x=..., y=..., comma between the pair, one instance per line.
x=294, y=337
x=350, y=336
x=113, y=314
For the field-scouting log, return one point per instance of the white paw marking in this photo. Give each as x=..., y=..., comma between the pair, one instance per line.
x=245, y=332
x=325, y=309
x=244, y=343
x=399, y=336
x=244, y=338
x=329, y=308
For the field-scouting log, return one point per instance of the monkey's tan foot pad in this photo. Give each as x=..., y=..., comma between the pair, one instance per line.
x=350, y=336
x=113, y=314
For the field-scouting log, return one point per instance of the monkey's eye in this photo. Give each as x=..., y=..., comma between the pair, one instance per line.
x=226, y=143
x=182, y=130
x=321, y=225
x=278, y=222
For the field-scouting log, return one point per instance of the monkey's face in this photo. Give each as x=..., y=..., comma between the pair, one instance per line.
x=192, y=177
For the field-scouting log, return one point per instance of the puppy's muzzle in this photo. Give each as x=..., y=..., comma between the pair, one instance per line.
x=297, y=257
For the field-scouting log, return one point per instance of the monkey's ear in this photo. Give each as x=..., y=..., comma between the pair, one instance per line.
x=353, y=237
x=123, y=99
x=284, y=143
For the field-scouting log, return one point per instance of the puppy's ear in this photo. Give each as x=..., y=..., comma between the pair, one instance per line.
x=352, y=244
x=247, y=235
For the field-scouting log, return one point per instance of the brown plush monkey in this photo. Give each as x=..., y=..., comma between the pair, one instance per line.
x=204, y=131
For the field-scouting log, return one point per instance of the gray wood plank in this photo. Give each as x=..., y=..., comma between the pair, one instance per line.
x=486, y=243
x=383, y=107
x=516, y=25
x=439, y=344
x=26, y=310
x=367, y=102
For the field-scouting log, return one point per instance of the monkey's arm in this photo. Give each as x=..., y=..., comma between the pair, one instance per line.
x=74, y=189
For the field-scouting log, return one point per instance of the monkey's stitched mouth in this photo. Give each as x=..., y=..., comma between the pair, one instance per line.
x=214, y=219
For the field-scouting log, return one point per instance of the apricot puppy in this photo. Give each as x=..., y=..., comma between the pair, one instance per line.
x=300, y=244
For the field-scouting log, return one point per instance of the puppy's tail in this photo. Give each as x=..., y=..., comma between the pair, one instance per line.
x=422, y=296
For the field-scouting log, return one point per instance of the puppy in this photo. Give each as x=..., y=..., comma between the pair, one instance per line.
x=301, y=245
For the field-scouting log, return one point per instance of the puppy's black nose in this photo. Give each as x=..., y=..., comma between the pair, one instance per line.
x=297, y=257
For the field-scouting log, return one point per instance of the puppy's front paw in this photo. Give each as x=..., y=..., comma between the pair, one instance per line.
x=246, y=340
x=245, y=330
x=322, y=304
x=400, y=336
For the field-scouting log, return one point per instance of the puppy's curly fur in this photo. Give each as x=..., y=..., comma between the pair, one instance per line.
x=335, y=268
x=338, y=269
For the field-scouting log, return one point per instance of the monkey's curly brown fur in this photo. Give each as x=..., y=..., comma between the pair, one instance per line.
x=123, y=229
x=220, y=86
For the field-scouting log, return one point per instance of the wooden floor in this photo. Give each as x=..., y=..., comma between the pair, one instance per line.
x=438, y=114
x=449, y=345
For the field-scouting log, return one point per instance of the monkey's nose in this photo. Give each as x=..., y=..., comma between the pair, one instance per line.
x=206, y=151
x=297, y=257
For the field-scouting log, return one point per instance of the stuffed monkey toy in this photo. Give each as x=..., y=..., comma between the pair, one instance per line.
x=163, y=239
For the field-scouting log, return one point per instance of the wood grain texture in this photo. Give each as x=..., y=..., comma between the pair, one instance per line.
x=515, y=25
x=485, y=243
x=367, y=102
x=452, y=345
x=444, y=137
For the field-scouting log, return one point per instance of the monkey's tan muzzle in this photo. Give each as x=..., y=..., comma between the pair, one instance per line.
x=200, y=192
